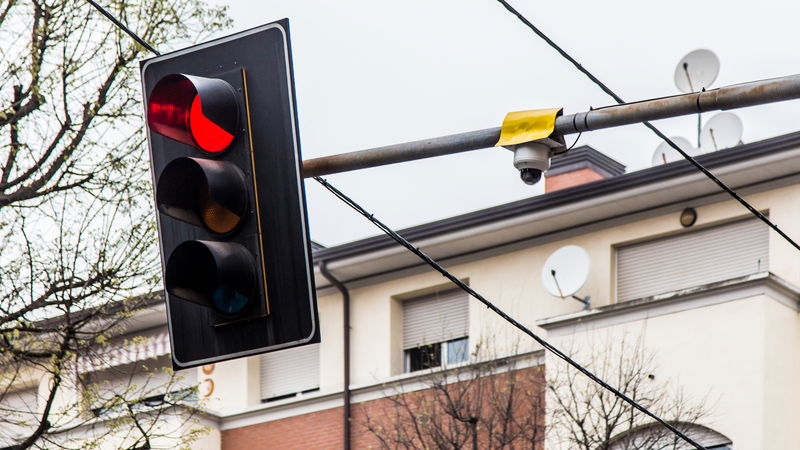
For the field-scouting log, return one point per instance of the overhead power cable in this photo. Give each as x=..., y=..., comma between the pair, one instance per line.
x=466, y=288
x=649, y=125
x=399, y=239
x=122, y=27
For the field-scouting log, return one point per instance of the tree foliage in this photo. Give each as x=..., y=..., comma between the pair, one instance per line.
x=500, y=403
x=584, y=415
x=75, y=220
x=491, y=404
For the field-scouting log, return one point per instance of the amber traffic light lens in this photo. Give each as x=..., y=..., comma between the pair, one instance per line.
x=214, y=215
x=197, y=111
x=203, y=192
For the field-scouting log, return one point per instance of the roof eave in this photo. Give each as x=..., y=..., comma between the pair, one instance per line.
x=741, y=166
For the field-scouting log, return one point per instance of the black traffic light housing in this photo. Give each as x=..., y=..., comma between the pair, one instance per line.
x=230, y=201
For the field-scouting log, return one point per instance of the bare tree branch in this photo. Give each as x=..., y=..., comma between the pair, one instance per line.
x=489, y=404
x=77, y=248
x=586, y=416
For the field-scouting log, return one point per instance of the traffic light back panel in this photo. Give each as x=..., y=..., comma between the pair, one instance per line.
x=226, y=165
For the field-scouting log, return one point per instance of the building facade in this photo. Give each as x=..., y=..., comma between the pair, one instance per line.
x=675, y=265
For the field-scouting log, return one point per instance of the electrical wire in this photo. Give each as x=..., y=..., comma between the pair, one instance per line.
x=466, y=288
x=402, y=241
x=649, y=125
x=574, y=143
x=122, y=27
x=594, y=79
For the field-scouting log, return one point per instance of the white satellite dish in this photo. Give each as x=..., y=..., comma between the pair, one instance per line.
x=724, y=130
x=696, y=71
x=565, y=271
x=664, y=153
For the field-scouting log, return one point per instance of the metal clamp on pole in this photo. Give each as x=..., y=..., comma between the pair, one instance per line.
x=529, y=134
x=736, y=96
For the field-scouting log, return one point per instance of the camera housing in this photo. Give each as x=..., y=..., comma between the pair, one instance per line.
x=531, y=159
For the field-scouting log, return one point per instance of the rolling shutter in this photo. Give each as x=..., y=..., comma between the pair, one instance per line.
x=435, y=318
x=20, y=414
x=289, y=371
x=22, y=403
x=140, y=380
x=125, y=351
x=692, y=259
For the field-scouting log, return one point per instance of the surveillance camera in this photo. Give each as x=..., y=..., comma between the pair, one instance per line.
x=531, y=159
x=530, y=176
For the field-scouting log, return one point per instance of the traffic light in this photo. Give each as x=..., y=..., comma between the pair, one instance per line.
x=229, y=196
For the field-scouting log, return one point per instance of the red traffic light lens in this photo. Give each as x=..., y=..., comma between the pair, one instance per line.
x=197, y=111
x=208, y=135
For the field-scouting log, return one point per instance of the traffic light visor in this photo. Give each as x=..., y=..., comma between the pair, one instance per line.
x=203, y=192
x=219, y=275
x=197, y=111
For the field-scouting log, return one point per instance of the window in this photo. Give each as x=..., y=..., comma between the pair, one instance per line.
x=432, y=355
x=435, y=330
x=289, y=372
x=654, y=435
x=138, y=386
x=692, y=259
x=457, y=351
x=185, y=395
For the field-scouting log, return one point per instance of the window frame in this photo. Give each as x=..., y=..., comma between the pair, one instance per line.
x=444, y=355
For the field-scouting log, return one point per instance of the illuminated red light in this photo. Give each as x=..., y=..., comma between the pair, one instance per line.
x=208, y=135
x=197, y=111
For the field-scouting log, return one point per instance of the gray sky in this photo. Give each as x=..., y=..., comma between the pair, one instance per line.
x=372, y=73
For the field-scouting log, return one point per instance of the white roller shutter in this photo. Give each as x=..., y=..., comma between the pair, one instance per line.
x=126, y=350
x=20, y=403
x=435, y=318
x=289, y=371
x=136, y=381
x=692, y=259
x=20, y=413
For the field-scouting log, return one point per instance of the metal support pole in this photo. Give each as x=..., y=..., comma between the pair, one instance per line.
x=729, y=97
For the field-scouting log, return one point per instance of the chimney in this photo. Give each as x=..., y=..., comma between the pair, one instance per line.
x=580, y=166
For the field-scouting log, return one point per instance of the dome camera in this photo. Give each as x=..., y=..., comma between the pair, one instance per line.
x=531, y=159
x=530, y=176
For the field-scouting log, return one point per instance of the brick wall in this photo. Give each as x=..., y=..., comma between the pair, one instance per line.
x=569, y=179
x=393, y=418
x=319, y=430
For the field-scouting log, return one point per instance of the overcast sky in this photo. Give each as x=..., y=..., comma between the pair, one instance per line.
x=371, y=73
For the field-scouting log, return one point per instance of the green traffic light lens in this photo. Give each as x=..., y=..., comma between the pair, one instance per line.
x=218, y=275
x=228, y=301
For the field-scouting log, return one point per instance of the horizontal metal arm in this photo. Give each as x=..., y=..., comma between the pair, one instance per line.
x=729, y=97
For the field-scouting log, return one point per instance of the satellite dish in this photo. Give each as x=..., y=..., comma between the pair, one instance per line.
x=565, y=271
x=724, y=130
x=666, y=154
x=696, y=71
